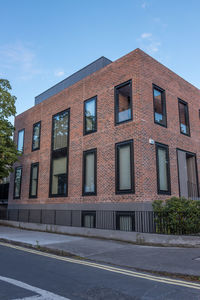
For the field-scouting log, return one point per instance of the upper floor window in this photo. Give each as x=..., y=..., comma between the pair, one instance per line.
x=124, y=167
x=59, y=155
x=60, y=130
x=163, y=171
x=160, y=116
x=36, y=136
x=17, y=182
x=123, y=102
x=20, y=141
x=34, y=180
x=184, y=117
x=90, y=115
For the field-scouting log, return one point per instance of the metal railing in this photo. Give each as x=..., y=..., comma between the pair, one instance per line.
x=180, y=223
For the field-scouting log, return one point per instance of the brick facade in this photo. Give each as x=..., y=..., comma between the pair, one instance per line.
x=144, y=71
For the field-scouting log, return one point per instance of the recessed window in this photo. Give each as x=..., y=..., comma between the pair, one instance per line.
x=89, y=172
x=160, y=116
x=59, y=155
x=89, y=219
x=163, y=170
x=184, y=117
x=124, y=167
x=20, y=141
x=36, y=136
x=125, y=220
x=34, y=180
x=90, y=115
x=17, y=182
x=123, y=102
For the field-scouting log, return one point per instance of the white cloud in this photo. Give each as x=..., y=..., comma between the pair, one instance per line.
x=59, y=73
x=153, y=47
x=146, y=35
x=144, y=5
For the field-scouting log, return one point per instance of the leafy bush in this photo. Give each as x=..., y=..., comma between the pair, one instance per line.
x=177, y=216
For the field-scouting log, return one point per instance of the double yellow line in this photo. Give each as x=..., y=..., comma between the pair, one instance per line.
x=108, y=268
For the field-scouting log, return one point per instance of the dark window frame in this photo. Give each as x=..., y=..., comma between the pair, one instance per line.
x=159, y=191
x=85, y=213
x=23, y=129
x=116, y=109
x=117, y=168
x=30, y=185
x=164, y=107
x=186, y=116
x=34, y=125
x=85, y=132
x=17, y=197
x=94, y=150
x=196, y=167
x=62, y=152
x=125, y=213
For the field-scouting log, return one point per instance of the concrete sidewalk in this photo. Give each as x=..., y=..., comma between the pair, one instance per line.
x=185, y=261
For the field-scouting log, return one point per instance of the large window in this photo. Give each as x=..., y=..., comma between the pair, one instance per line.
x=163, y=170
x=184, y=117
x=160, y=116
x=124, y=167
x=59, y=155
x=17, y=182
x=123, y=102
x=34, y=180
x=89, y=172
x=20, y=141
x=90, y=115
x=36, y=136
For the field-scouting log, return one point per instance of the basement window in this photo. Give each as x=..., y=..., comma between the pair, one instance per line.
x=125, y=220
x=89, y=219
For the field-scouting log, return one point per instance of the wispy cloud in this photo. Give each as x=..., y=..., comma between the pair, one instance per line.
x=146, y=35
x=59, y=73
x=149, y=43
x=144, y=5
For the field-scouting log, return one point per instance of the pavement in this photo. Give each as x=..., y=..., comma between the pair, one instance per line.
x=172, y=260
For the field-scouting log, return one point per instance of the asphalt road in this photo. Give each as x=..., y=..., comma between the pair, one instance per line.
x=33, y=275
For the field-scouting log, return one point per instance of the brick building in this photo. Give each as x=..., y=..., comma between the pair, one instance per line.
x=112, y=136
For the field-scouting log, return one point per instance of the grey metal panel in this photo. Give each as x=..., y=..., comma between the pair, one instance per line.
x=105, y=219
x=35, y=215
x=13, y=214
x=23, y=215
x=79, y=75
x=48, y=216
x=63, y=217
x=76, y=218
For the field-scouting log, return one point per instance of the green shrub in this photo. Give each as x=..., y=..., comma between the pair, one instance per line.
x=177, y=216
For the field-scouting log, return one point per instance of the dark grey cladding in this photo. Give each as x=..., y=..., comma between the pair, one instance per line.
x=79, y=75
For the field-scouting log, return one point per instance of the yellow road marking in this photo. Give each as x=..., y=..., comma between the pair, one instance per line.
x=108, y=268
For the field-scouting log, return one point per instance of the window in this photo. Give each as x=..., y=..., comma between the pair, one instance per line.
x=20, y=141
x=89, y=219
x=125, y=220
x=34, y=180
x=163, y=171
x=160, y=116
x=90, y=115
x=59, y=155
x=17, y=182
x=124, y=167
x=123, y=102
x=184, y=117
x=89, y=172
x=36, y=136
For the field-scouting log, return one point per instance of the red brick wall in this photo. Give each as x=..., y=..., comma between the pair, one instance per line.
x=143, y=70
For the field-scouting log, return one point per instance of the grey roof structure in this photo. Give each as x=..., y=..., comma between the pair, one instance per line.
x=77, y=76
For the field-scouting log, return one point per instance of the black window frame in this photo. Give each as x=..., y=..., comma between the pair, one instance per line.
x=128, y=82
x=125, y=213
x=86, y=213
x=61, y=152
x=23, y=129
x=159, y=191
x=17, y=197
x=30, y=185
x=94, y=150
x=85, y=132
x=163, y=103
x=117, y=168
x=186, y=116
x=34, y=125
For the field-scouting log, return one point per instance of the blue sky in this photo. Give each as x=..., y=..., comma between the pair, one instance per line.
x=44, y=41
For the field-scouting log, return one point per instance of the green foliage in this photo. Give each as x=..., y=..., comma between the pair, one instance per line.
x=8, y=150
x=177, y=216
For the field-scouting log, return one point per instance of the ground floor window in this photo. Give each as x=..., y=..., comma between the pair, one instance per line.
x=34, y=180
x=17, y=182
x=89, y=172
